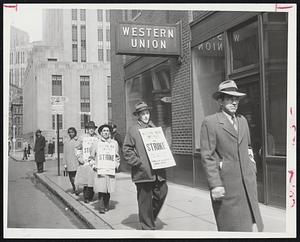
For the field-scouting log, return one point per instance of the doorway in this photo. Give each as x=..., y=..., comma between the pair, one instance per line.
x=250, y=108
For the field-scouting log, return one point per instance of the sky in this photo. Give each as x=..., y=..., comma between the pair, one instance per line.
x=27, y=18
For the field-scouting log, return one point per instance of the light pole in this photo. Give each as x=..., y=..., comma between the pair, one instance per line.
x=14, y=139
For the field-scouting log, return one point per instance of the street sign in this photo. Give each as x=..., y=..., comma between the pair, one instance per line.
x=56, y=100
x=166, y=99
x=57, y=109
x=57, y=104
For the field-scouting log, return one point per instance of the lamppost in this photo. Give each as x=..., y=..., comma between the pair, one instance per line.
x=14, y=139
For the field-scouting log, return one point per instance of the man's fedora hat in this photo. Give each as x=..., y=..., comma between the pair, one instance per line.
x=91, y=124
x=141, y=106
x=228, y=87
x=104, y=126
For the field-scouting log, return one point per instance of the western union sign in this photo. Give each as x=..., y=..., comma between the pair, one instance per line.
x=147, y=39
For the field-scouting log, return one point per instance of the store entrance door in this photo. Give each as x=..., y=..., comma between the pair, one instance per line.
x=250, y=108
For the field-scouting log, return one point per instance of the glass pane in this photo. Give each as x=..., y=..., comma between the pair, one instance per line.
x=244, y=43
x=276, y=85
x=208, y=61
x=99, y=15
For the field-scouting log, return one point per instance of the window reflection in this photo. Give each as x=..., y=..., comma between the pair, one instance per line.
x=244, y=42
x=208, y=71
x=275, y=35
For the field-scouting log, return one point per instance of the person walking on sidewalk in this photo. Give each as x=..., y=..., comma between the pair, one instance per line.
x=28, y=150
x=39, y=154
x=151, y=184
x=25, y=153
x=85, y=174
x=228, y=162
x=105, y=179
x=70, y=160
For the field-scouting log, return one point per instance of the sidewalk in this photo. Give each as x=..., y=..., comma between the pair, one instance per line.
x=185, y=208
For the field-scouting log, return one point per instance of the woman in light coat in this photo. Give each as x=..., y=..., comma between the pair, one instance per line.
x=105, y=179
x=70, y=161
x=85, y=174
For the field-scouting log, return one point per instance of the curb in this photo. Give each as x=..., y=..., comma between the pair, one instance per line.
x=85, y=214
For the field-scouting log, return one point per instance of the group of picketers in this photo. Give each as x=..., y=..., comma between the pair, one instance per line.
x=226, y=156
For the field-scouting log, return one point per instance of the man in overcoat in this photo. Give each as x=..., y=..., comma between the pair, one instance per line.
x=228, y=162
x=39, y=154
x=151, y=184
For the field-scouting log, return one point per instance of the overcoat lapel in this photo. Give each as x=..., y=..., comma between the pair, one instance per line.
x=227, y=126
x=241, y=128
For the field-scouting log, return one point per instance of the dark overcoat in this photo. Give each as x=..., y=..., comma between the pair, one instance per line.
x=226, y=161
x=39, y=147
x=136, y=156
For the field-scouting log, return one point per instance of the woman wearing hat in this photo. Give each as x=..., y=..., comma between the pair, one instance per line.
x=151, y=184
x=228, y=162
x=105, y=180
x=85, y=174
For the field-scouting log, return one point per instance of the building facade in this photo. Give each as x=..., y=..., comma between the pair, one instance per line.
x=248, y=47
x=19, y=49
x=68, y=66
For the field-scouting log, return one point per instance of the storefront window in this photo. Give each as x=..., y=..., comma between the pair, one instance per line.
x=151, y=87
x=244, y=41
x=275, y=35
x=208, y=71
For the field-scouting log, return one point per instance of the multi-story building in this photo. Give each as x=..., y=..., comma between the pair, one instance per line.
x=67, y=65
x=19, y=48
x=248, y=47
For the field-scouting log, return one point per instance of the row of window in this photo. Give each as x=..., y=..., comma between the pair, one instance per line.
x=84, y=119
x=16, y=76
x=84, y=95
x=17, y=120
x=17, y=110
x=100, y=34
x=83, y=15
x=82, y=43
x=101, y=55
x=19, y=57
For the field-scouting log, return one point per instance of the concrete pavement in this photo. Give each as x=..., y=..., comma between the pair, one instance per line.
x=185, y=208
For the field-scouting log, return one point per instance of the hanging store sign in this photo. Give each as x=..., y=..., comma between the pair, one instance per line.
x=148, y=39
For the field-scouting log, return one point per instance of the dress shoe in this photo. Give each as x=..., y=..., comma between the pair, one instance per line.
x=101, y=210
x=86, y=201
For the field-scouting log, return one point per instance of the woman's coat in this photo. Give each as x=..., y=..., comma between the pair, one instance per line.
x=69, y=157
x=226, y=161
x=85, y=174
x=104, y=183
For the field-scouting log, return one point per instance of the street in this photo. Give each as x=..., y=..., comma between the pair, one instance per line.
x=31, y=205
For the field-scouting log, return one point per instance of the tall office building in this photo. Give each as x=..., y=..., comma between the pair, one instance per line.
x=19, y=48
x=68, y=65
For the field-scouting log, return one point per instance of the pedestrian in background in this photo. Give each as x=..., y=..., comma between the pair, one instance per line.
x=39, y=154
x=29, y=150
x=105, y=179
x=9, y=147
x=229, y=165
x=85, y=174
x=24, y=153
x=151, y=184
x=51, y=148
x=69, y=158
